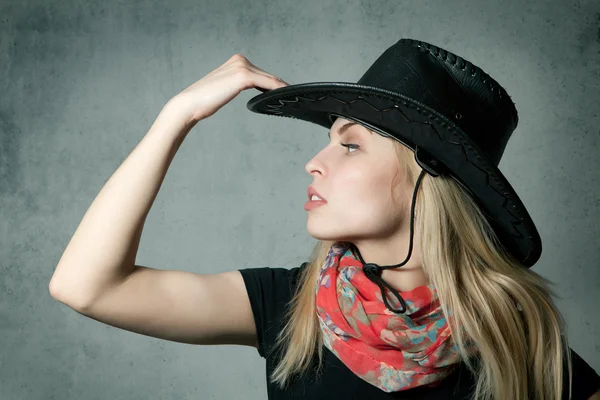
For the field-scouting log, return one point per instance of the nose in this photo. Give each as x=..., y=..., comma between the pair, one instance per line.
x=310, y=167
x=316, y=164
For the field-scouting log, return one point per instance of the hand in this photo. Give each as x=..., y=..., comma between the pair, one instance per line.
x=205, y=97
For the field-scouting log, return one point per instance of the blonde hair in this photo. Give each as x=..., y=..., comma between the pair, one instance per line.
x=504, y=308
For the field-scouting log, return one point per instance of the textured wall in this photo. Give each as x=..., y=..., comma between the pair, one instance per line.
x=82, y=82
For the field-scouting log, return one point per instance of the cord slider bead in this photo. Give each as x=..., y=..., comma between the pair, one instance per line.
x=371, y=268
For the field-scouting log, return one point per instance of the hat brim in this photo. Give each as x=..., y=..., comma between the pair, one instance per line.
x=414, y=124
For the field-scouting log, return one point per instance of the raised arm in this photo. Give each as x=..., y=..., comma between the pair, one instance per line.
x=97, y=275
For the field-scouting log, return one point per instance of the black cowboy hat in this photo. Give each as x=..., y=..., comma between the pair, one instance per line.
x=453, y=115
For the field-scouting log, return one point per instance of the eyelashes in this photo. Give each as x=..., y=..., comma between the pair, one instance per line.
x=350, y=146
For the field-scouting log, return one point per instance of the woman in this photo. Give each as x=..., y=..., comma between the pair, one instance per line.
x=462, y=317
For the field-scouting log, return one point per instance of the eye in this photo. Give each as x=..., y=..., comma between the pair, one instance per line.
x=350, y=146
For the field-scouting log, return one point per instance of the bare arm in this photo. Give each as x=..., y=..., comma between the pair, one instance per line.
x=97, y=275
x=103, y=249
x=178, y=306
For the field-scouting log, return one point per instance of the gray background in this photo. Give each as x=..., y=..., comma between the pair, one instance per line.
x=82, y=82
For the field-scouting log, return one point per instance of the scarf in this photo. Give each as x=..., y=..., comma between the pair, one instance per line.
x=391, y=351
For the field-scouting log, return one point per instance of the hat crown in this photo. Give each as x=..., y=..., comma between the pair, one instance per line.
x=455, y=117
x=450, y=85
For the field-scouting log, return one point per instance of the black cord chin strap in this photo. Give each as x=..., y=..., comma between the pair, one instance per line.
x=373, y=271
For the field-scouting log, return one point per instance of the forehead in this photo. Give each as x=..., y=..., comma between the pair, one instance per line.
x=341, y=125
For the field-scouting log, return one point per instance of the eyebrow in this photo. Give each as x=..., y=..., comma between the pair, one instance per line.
x=343, y=128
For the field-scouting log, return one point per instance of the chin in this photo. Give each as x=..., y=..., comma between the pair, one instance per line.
x=325, y=234
x=320, y=234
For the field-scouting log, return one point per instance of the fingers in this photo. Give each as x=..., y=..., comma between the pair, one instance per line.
x=251, y=79
x=238, y=60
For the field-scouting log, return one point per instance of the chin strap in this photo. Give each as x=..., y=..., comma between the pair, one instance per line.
x=373, y=271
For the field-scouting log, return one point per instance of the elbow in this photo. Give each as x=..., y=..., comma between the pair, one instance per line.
x=53, y=289
x=58, y=292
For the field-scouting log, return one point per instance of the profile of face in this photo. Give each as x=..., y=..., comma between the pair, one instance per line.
x=354, y=174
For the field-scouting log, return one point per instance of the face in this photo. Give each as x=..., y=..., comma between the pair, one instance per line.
x=354, y=174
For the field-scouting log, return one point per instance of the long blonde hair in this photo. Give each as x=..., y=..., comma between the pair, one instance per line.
x=504, y=308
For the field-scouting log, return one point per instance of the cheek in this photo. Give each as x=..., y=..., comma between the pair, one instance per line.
x=364, y=194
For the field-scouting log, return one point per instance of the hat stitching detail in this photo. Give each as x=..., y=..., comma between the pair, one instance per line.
x=462, y=143
x=435, y=51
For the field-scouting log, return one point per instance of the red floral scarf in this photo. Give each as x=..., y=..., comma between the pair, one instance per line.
x=391, y=351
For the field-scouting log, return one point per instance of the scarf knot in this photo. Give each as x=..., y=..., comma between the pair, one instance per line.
x=388, y=350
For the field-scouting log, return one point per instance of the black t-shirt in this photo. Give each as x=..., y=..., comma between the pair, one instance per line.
x=269, y=290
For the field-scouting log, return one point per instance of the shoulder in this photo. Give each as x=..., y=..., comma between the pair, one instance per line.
x=269, y=289
x=586, y=381
x=275, y=282
x=595, y=396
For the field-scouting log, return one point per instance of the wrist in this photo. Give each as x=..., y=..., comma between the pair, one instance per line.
x=172, y=123
x=175, y=113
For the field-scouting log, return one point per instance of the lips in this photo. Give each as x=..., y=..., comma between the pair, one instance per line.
x=311, y=191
